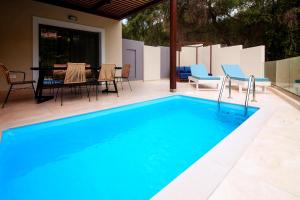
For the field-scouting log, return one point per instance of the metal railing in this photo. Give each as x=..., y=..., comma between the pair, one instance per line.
x=251, y=84
x=223, y=86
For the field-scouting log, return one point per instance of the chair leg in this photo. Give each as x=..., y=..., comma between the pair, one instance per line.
x=88, y=92
x=52, y=90
x=129, y=84
x=6, y=98
x=106, y=84
x=121, y=84
x=61, y=95
x=116, y=89
x=33, y=89
x=96, y=92
x=56, y=93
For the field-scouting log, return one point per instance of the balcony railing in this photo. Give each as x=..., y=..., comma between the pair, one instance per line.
x=285, y=74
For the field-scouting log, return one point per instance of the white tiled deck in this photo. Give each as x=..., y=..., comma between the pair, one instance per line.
x=268, y=169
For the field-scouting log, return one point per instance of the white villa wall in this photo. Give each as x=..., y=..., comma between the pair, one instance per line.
x=16, y=33
x=187, y=56
x=225, y=55
x=204, y=56
x=252, y=60
x=151, y=63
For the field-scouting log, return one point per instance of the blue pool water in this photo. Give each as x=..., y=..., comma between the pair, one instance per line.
x=130, y=152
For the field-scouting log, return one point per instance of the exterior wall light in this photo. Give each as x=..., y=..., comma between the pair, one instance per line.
x=72, y=18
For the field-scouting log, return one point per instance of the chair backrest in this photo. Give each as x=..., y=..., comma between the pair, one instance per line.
x=199, y=70
x=233, y=70
x=125, y=70
x=75, y=73
x=4, y=71
x=60, y=65
x=59, y=73
x=107, y=72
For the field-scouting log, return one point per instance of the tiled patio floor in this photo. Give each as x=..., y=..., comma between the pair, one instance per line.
x=268, y=169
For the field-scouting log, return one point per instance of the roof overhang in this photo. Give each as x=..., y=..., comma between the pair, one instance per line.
x=114, y=9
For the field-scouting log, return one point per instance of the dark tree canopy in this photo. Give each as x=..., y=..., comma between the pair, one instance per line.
x=273, y=23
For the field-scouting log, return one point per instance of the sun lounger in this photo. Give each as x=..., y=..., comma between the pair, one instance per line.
x=236, y=74
x=200, y=76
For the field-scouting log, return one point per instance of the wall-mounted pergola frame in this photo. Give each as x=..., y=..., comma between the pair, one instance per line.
x=120, y=9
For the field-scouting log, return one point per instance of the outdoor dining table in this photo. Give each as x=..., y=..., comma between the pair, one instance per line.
x=40, y=98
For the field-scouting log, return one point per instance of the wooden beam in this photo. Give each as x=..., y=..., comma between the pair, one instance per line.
x=173, y=10
x=126, y=9
x=100, y=4
x=65, y=4
x=144, y=6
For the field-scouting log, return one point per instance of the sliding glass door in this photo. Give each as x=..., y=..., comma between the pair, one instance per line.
x=61, y=45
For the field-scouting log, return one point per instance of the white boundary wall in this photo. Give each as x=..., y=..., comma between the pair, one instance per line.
x=203, y=56
x=151, y=63
x=251, y=59
x=187, y=56
x=226, y=55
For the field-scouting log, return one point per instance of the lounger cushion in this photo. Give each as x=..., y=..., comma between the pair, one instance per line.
x=187, y=69
x=184, y=75
x=207, y=77
x=235, y=72
x=199, y=70
x=52, y=82
x=183, y=72
x=258, y=79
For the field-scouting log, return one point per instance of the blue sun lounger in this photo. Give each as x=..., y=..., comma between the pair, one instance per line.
x=200, y=76
x=236, y=74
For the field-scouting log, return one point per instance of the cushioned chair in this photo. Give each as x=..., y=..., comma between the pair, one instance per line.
x=124, y=75
x=6, y=73
x=199, y=75
x=107, y=75
x=183, y=72
x=75, y=77
x=236, y=74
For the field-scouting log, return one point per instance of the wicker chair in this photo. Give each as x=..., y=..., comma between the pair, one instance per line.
x=4, y=71
x=75, y=77
x=125, y=75
x=107, y=75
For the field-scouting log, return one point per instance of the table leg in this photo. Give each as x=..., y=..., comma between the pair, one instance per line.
x=39, y=90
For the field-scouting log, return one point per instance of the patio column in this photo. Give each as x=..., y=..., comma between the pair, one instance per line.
x=173, y=5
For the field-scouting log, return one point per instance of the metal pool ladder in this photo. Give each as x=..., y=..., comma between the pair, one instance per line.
x=223, y=86
x=251, y=84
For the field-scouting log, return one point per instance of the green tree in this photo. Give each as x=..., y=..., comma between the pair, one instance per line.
x=273, y=23
x=148, y=26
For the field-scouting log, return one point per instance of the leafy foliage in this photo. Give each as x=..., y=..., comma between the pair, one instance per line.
x=273, y=23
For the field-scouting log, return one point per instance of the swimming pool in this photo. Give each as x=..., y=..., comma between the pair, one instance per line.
x=129, y=152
